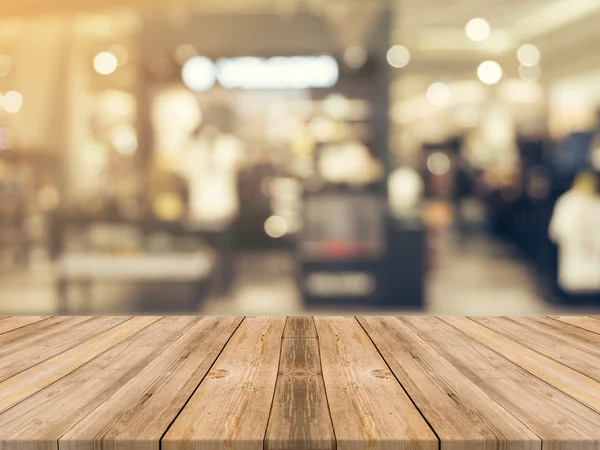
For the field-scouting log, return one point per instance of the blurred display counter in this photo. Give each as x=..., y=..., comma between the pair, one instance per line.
x=85, y=269
x=109, y=249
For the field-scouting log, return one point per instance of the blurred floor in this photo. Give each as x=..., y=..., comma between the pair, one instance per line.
x=477, y=277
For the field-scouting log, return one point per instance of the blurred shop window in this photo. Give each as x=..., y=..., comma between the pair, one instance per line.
x=574, y=227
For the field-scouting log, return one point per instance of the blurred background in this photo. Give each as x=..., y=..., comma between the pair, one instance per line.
x=299, y=157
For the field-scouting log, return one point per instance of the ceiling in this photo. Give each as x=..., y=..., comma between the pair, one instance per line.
x=566, y=31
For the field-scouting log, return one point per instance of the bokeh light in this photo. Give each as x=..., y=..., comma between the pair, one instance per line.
x=438, y=163
x=439, y=94
x=276, y=227
x=12, y=102
x=199, y=74
x=532, y=73
x=529, y=55
x=105, y=63
x=398, y=56
x=489, y=72
x=478, y=29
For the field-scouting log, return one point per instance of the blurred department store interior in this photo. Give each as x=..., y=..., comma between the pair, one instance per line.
x=299, y=156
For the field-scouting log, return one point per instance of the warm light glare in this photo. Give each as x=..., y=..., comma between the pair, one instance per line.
x=439, y=94
x=105, y=63
x=489, y=72
x=120, y=53
x=398, y=56
x=199, y=74
x=276, y=226
x=532, y=73
x=5, y=65
x=12, y=102
x=478, y=29
x=529, y=55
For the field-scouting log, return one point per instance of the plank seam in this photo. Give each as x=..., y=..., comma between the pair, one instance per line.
x=109, y=397
x=523, y=368
x=573, y=325
x=26, y=325
x=160, y=440
x=439, y=440
x=77, y=368
x=335, y=441
x=287, y=319
x=492, y=398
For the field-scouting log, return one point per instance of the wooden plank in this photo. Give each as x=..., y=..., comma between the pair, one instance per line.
x=301, y=327
x=154, y=397
x=49, y=341
x=463, y=416
x=587, y=323
x=559, y=420
x=230, y=409
x=584, y=357
x=14, y=323
x=24, y=336
x=38, y=422
x=34, y=379
x=300, y=415
x=369, y=409
x=571, y=382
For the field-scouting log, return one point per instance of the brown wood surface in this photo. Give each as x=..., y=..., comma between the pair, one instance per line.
x=463, y=415
x=300, y=417
x=230, y=410
x=14, y=323
x=569, y=381
x=369, y=409
x=584, y=357
x=36, y=343
x=587, y=323
x=156, y=395
x=301, y=383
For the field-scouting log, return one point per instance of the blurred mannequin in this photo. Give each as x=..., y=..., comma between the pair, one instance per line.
x=574, y=228
x=405, y=188
x=211, y=165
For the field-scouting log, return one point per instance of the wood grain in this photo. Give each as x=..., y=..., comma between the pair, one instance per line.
x=560, y=421
x=13, y=323
x=300, y=327
x=581, y=356
x=154, y=397
x=37, y=343
x=369, y=409
x=230, y=410
x=34, y=379
x=463, y=416
x=571, y=382
x=300, y=414
x=587, y=323
x=40, y=420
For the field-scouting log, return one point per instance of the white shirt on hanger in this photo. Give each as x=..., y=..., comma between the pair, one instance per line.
x=575, y=228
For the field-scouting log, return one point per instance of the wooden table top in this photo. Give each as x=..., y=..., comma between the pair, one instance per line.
x=299, y=383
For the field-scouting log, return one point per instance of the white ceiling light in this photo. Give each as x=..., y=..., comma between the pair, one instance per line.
x=532, y=73
x=105, y=63
x=398, y=56
x=199, y=73
x=439, y=94
x=478, y=29
x=489, y=72
x=529, y=55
